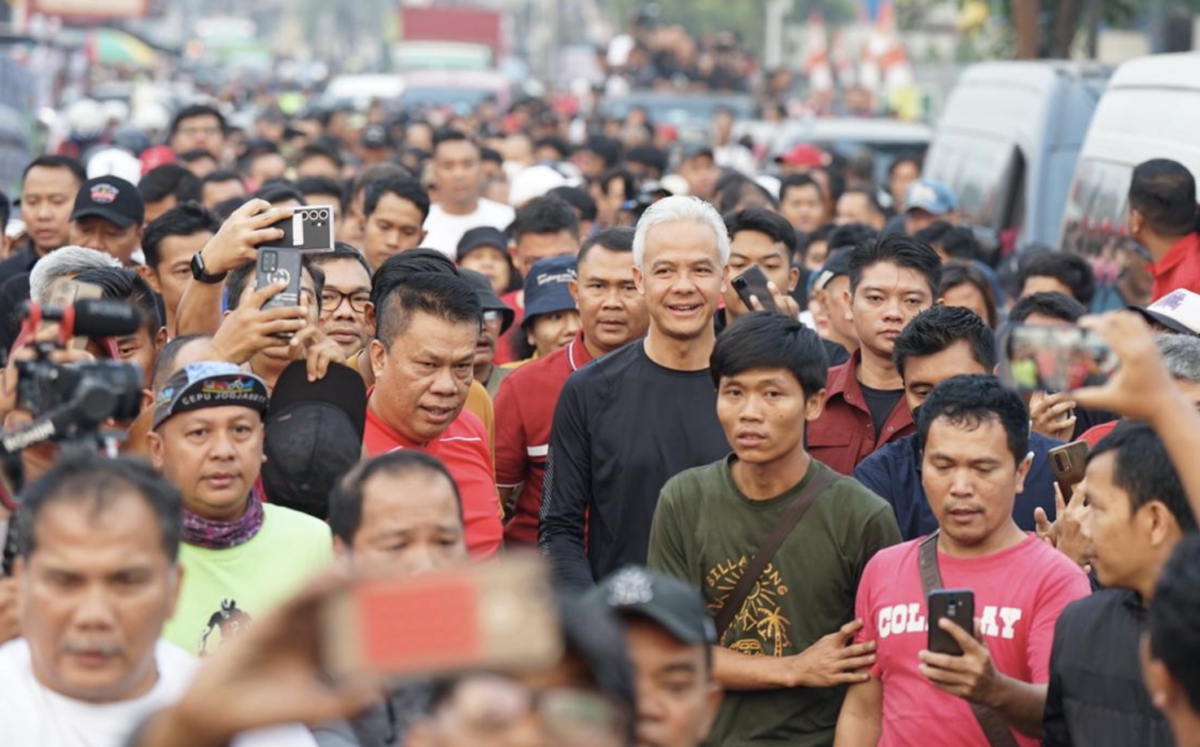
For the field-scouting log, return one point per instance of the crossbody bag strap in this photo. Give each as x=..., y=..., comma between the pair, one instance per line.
x=995, y=728
x=783, y=527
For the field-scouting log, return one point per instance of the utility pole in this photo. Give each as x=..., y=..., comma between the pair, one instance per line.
x=1025, y=25
x=777, y=10
x=1157, y=30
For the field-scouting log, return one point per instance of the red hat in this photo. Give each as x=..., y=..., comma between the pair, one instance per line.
x=157, y=156
x=804, y=155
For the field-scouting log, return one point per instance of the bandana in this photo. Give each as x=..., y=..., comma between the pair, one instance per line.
x=222, y=535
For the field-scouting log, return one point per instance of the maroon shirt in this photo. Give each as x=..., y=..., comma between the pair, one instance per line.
x=844, y=435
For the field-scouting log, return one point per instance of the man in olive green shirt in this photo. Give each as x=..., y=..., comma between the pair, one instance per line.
x=788, y=655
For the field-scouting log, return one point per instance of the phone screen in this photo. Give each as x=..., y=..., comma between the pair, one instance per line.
x=1039, y=358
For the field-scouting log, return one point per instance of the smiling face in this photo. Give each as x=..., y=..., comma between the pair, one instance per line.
x=682, y=279
x=887, y=298
x=764, y=413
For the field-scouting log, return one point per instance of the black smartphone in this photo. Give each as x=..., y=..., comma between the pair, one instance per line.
x=1069, y=462
x=280, y=266
x=753, y=282
x=957, y=605
x=1055, y=358
x=310, y=229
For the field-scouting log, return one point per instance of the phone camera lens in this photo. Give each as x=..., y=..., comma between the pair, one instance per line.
x=323, y=215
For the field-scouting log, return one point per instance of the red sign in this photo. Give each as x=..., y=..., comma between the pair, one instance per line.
x=474, y=25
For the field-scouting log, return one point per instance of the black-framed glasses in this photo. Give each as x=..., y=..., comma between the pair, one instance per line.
x=332, y=299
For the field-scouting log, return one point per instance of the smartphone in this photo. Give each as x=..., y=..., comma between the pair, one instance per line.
x=957, y=605
x=1069, y=463
x=1041, y=358
x=498, y=616
x=280, y=266
x=309, y=229
x=753, y=282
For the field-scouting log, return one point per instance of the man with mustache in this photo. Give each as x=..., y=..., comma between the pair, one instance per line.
x=612, y=314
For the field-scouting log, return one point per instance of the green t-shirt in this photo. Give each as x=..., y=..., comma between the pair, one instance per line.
x=226, y=589
x=705, y=532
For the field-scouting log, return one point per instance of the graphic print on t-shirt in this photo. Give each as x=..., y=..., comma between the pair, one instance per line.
x=228, y=622
x=759, y=628
x=994, y=622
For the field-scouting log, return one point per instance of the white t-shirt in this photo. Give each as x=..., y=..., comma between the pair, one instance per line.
x=33, y=715
x=445, y=230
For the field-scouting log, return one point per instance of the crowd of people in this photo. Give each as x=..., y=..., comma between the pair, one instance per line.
x=519, y=344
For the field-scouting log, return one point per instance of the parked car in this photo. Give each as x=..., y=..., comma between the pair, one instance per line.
x=460, y=90
x=690, y=113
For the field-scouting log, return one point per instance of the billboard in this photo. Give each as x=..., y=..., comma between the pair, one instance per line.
x=73, y=10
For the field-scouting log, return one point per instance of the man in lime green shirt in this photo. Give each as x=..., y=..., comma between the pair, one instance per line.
x=240, y=557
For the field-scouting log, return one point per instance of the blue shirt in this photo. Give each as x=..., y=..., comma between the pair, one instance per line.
x=894, y=473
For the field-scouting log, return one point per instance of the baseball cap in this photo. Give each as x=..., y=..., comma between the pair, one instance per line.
x=546, y=288
x=930, y=195
x=837, y=264
x=1179, y=311
x=111, y=198
x=479, y=237
x=375, y=136
x=314, y=433
x=697, y=149
x=209, y=384
x=803, y=154
x=674, y=605
x=488, y=298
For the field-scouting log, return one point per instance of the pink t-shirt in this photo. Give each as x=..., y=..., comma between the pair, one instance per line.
x=1019, y=593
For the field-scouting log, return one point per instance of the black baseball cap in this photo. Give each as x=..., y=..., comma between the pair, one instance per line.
x=111, y=198
x=488, y=298
x=479, y=237
x=314, y=433
x=667, y=601
x=836, y=264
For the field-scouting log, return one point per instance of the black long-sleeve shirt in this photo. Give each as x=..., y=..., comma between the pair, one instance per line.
x=1097, y=697
x=623, y=426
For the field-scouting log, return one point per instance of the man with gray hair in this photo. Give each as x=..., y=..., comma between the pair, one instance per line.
x=64, y=264
x=627, y=423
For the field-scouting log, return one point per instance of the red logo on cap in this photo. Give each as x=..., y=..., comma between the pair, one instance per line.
x=105, y=193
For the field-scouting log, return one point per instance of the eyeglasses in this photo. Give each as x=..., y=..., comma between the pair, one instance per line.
x=572, y=717
x=331, y=300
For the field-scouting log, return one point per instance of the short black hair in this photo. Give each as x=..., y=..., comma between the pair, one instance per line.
x=853, y=235
x=82, y=476
x=871, y=195
x=1144, y=471
x=346, y=501
x=341, y=250
x=322, y=185
x=226, y=208
x=404, y=187
x=901, y=251
x=557, y=143
x=164, y=364
x=235, y=283
x=57, y=162
x=763, y=221
x=373, y=173
x=1053, y=305
x=399, y=267
x=618, y=172
x=490, y=154
x=187, y=219
x=545, y=214
x=448, y=135
x=912, y=158
x=972, y=401
x=280, y=190
x=5, y=209
x=195, y=111
x=765, y=339
x=317, y=150
x=123, y=284
x=609, y=149
x=939, y=327
x=799, y=181
x=958, y=272
x=578, y=199
x=1069, y=269
x=221, y=175
x=1165, y=192
x=647, y=155
x=170, y=179
x=735, y=187
x=616, y=239
x=448, y=297
x=1174, y=635
x=958, y=242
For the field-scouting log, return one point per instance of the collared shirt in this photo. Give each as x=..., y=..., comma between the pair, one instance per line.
x=1096, y=696
x=524, y=414
x=894, y=473
x=844, y=435
x=1179, y=268
x=463, y=448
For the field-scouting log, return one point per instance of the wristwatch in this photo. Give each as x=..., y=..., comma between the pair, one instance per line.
x=199, y=273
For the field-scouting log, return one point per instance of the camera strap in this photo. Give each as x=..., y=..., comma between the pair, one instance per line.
x=819, y=482
x=995, y=728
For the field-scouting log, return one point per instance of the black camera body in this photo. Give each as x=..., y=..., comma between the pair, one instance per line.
x=95, y=391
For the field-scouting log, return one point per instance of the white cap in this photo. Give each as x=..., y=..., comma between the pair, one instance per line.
x=115, y=162
x=1178, y=311
x=531, y=182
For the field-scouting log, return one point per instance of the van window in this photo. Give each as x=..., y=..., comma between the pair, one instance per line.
x=981, y=171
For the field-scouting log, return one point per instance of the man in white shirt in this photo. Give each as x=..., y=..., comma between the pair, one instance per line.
x=98, y=577
x=458, y=179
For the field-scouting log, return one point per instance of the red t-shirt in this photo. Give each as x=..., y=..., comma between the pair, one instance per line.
x=1019, y=594
x=506, y=351
x=1180, y=268
x=463, y=448
x=524, y=414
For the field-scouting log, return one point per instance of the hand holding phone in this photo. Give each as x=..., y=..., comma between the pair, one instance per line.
x=1069, y=463
x=308, y=229
x=753, y=283
x=956, y=605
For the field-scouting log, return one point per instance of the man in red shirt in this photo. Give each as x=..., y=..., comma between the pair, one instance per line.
x=1163, y=219
x=423, y=358
x=613, y=313
x=890, y=283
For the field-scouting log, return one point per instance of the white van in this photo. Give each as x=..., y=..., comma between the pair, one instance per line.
x=1007, y=142
x=1151, y=110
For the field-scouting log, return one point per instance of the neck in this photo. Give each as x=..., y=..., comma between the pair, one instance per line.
x=1149, y=580
x=228, y=514
x=1007, y=536
x=1159, y=246
x=374, y=404
x=483, y=372
x=762, y=481
x=849, y=343
x=878, y=373
x=460, y=208
x=678, y=354
x=595, y=350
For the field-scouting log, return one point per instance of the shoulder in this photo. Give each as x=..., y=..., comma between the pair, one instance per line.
x=852, y=496
x=14, y=656
x=1055, y=571
x=175, y=666
x=466, y=425
x=492, y=207
x=293, y=522
x=1040, y=444
x=692, y=484
x=889, y=559
x=538, y=369
x=1098, y=607
x=890, y=455
x=609, y=368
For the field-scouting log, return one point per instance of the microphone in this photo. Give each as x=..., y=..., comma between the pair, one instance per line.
x=91, y=317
